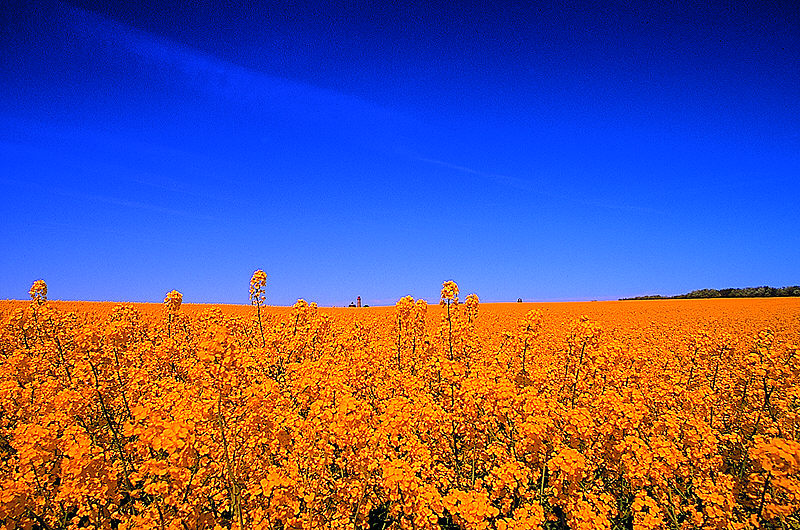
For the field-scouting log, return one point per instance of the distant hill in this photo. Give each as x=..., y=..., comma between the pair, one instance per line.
x=732, y=292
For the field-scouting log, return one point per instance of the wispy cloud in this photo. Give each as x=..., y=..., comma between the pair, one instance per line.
x=507, y=180
x=114, y=201
x=21, y=154
x=215, y=76
x=530, y=186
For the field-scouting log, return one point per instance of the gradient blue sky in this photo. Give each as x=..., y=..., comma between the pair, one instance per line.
x=546, y=151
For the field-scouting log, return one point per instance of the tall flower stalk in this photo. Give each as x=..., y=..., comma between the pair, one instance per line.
x=172, y=303
x=258, y=283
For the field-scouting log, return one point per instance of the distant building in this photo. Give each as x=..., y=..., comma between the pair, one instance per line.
x=519, y=300
x=358, y=302
x=351, y=304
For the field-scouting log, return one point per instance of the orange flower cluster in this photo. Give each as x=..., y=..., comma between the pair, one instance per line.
x=258, y=284
x=675, y=414
x=173, y=301
x=38, y=292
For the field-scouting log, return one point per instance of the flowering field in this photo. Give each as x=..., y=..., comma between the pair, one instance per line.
x=459, y=415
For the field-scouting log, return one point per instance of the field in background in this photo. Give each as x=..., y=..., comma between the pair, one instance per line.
x=640, y=414
x=606, y=312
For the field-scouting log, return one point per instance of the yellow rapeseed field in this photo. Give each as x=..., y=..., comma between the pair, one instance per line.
x=454, y=415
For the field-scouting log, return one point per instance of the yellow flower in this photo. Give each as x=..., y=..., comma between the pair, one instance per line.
x=449, y=292
x=38, y=292
x=173, y=301
x=257, y=285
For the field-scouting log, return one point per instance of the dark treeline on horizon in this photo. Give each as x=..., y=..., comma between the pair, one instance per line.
x=731, y=292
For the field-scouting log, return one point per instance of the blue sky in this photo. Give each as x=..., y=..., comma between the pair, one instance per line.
x=556, y=151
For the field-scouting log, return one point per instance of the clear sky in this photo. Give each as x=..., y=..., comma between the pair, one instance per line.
x=548, y=151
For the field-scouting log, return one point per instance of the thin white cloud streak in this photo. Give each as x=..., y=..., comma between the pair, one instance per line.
x=513, y=182
x=94, y=230
x=525, y=185
x=221, y=78
x=114, y=201
x=118, y=170
x=214, y=76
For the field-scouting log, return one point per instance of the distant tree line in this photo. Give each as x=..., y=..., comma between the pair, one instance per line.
x=732, y=292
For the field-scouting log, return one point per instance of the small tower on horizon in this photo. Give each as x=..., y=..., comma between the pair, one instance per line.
x=358, y=302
